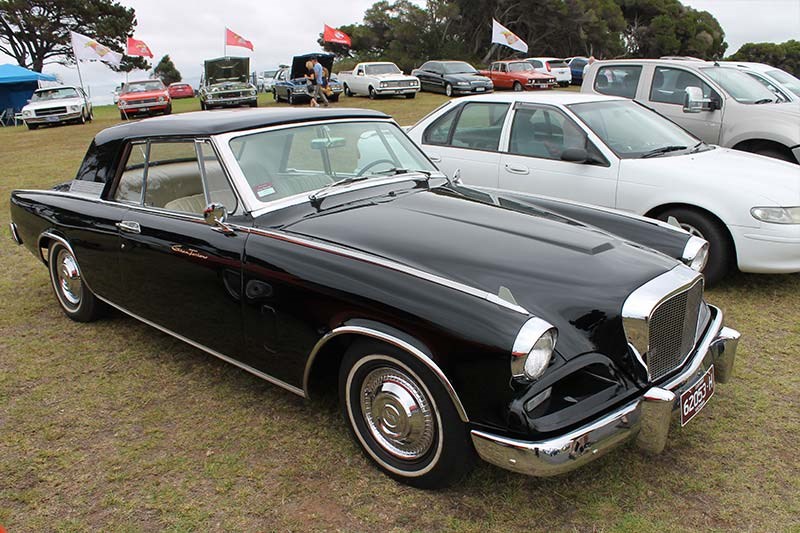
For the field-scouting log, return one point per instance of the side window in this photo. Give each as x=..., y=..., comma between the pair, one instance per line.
x=618, y=80
x=129, y=189
x=173, y=177
x=479, y=126
x=544, y=132
x=502, y=67
x=439, y=131
x=536, y=63
x=669, y=85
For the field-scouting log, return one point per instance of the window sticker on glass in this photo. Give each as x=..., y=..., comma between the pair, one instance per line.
x=263, y=190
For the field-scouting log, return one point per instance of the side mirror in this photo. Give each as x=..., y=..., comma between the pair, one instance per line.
x=215, y=215
x=694, y=102
x=575, y=155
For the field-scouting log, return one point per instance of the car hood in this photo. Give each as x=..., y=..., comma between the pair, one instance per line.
x=299, y=64
x=143, y=94
x=575, y=276
x=227, y=69
x=465, y=77
x=757, y=179
x=393, y=77
x=53, y=103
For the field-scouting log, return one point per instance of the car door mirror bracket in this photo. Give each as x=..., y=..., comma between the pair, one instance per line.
x=215, y=215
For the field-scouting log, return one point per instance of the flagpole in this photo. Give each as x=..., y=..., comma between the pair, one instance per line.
x=225, y=44
x=78, y=66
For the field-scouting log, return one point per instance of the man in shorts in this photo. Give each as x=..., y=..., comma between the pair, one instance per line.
x=319, y=79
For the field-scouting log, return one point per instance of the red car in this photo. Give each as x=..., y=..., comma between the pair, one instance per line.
x=518, y=76
x=144, y=97
x=180, y=90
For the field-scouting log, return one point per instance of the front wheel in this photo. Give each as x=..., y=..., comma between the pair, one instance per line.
x=517, y=86
x=403, y=418
x=720, y=250
x=372, y=94
x=411, y=96
x=168, y=110
x=75, y=298
x=347, y=91
x=448, y=90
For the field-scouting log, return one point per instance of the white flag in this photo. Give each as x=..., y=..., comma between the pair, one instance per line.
x=87, y=49
x=504, y=36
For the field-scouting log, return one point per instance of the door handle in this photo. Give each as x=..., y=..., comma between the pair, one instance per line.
x=435, y=158
x=129, y=227
x=517, y=170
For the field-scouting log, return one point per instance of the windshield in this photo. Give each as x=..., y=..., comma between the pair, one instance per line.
x=142, y=86
x=632, y=130
x=522, y=66
x=269, y=73
x=54, y=94
x=458, y=68
x=389, y=68
x=785, y=79
x=303, y=159
x=739, y=85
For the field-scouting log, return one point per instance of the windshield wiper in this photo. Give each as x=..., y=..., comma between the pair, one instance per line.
x=662, y=150
x=696, y=148
x=764, y=101
x=317, y=197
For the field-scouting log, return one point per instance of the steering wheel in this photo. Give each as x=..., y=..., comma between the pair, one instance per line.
x=373, y=164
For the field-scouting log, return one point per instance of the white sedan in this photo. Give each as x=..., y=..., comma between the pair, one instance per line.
x=617, y=153
x=57, y=105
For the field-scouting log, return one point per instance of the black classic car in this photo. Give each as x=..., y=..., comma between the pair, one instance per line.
x=314, y=247
x=225, y=83
x=453, y=78
x=292, y=86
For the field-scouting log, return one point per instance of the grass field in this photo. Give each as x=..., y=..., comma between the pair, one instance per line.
x=113, y=426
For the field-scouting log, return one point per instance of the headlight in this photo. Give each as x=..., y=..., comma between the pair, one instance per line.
x=252, y=92
x=777, y=215
x=383, y=84
x=74, y=108
x=533, y=349
x=462, y=83
x=299, y=89
x=27, y=113
x=123, y=103
x=414, y=83
x=695, y=253
x=160, y=98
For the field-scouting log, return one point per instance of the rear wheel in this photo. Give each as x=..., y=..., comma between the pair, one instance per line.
x=401, y=415
x=517, y=86
x=75, y=298
x=720, y=253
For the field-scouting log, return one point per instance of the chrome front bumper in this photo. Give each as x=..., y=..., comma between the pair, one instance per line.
x=53, y=119
x=647, y=418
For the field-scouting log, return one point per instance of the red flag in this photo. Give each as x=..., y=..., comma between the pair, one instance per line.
x=234, y=39
x=138, y=48
x=332, y=35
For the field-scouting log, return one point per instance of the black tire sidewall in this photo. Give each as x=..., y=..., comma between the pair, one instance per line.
x=517, y=87
x=451, y=454
x=721, y=257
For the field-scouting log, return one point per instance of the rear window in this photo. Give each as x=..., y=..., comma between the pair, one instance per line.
x=560, y=63
x=618, y=80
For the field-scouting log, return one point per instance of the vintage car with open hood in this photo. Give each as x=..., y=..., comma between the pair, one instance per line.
x=225, y=83
x=321, y=247
x=292, y=85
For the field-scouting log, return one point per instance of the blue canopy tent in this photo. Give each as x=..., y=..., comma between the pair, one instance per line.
x=17, y=85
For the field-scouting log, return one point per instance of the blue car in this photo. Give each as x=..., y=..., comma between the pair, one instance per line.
x=576, y=65
x=292, y=86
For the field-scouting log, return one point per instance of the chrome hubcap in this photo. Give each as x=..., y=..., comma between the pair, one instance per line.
x=691, y=229
x=397, y=413
x=69, y=278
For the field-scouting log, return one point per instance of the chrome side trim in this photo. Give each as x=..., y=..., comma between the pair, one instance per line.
x=382, y=262
x=385, y=337
x=262, y=375
x=15, y=233
x=641, y=303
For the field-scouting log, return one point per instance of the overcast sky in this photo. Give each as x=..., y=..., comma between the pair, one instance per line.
x=191, y=31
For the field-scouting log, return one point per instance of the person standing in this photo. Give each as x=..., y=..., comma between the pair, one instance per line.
x=319, y=83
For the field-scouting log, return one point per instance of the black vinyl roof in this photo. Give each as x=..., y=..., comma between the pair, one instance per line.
x=204, y=123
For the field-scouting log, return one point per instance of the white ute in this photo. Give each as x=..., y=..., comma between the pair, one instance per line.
x=378, y=79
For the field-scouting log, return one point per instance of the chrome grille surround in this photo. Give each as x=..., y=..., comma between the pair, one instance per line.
x=49, y=111
x=662, y=320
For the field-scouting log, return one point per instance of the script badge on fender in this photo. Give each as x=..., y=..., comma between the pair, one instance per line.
x=696, y=397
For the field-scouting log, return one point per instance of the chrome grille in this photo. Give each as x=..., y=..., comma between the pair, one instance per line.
x=673, y=329
x=51, y=111
x=398, y=83
x=143, y=101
